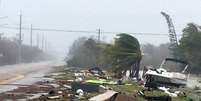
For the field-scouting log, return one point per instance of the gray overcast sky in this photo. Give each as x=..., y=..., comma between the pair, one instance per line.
x=109, y=15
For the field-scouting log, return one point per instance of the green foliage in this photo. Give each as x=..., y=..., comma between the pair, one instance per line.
x=190, y=46
x=126, y=88
x=86, y=52
x=124, y=52
x=82, y=53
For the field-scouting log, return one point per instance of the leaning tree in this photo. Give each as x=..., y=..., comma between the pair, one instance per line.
x=125, y=54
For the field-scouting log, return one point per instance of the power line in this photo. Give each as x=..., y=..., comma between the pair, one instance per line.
x=84, y=31
x=50, y=30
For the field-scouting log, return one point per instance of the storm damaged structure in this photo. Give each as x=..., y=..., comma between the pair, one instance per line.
x=163, y=77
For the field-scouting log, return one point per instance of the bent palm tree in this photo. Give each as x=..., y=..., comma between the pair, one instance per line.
x=125, y=54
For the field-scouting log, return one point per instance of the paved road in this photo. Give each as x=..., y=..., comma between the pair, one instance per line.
x=24, y=73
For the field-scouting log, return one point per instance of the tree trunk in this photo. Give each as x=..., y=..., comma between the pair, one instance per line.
x=135, y=68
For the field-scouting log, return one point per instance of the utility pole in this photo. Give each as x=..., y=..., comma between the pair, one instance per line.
x=31, y=36
x=44, y=45
x=99, y=35
x=98, y=58
x=37, y=41
x=42, y=42
x=20, y=40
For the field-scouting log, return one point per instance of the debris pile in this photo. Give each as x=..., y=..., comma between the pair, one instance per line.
x=93, y=85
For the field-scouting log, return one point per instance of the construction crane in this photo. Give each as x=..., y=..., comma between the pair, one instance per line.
x=171, y=30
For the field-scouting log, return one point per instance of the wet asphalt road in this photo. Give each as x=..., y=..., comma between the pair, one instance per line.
x=25, y=74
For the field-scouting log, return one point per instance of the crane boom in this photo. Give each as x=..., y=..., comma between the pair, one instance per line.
x=171, y=30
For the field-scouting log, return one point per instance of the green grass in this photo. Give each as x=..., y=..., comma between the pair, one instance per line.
x=90, y=78
x=125, y=88
x=67, y=75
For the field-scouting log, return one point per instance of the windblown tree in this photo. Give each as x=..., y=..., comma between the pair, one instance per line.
x=190, y=46
x=87, y=52
x=84, y=53
x=125, y=54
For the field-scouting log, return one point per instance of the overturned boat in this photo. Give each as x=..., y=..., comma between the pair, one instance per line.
x=162, y=77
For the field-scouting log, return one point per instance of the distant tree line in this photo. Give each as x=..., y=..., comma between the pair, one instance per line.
x=9, y=52
x=154, y=55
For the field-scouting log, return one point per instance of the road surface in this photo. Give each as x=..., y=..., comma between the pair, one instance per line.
x=24, y=74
